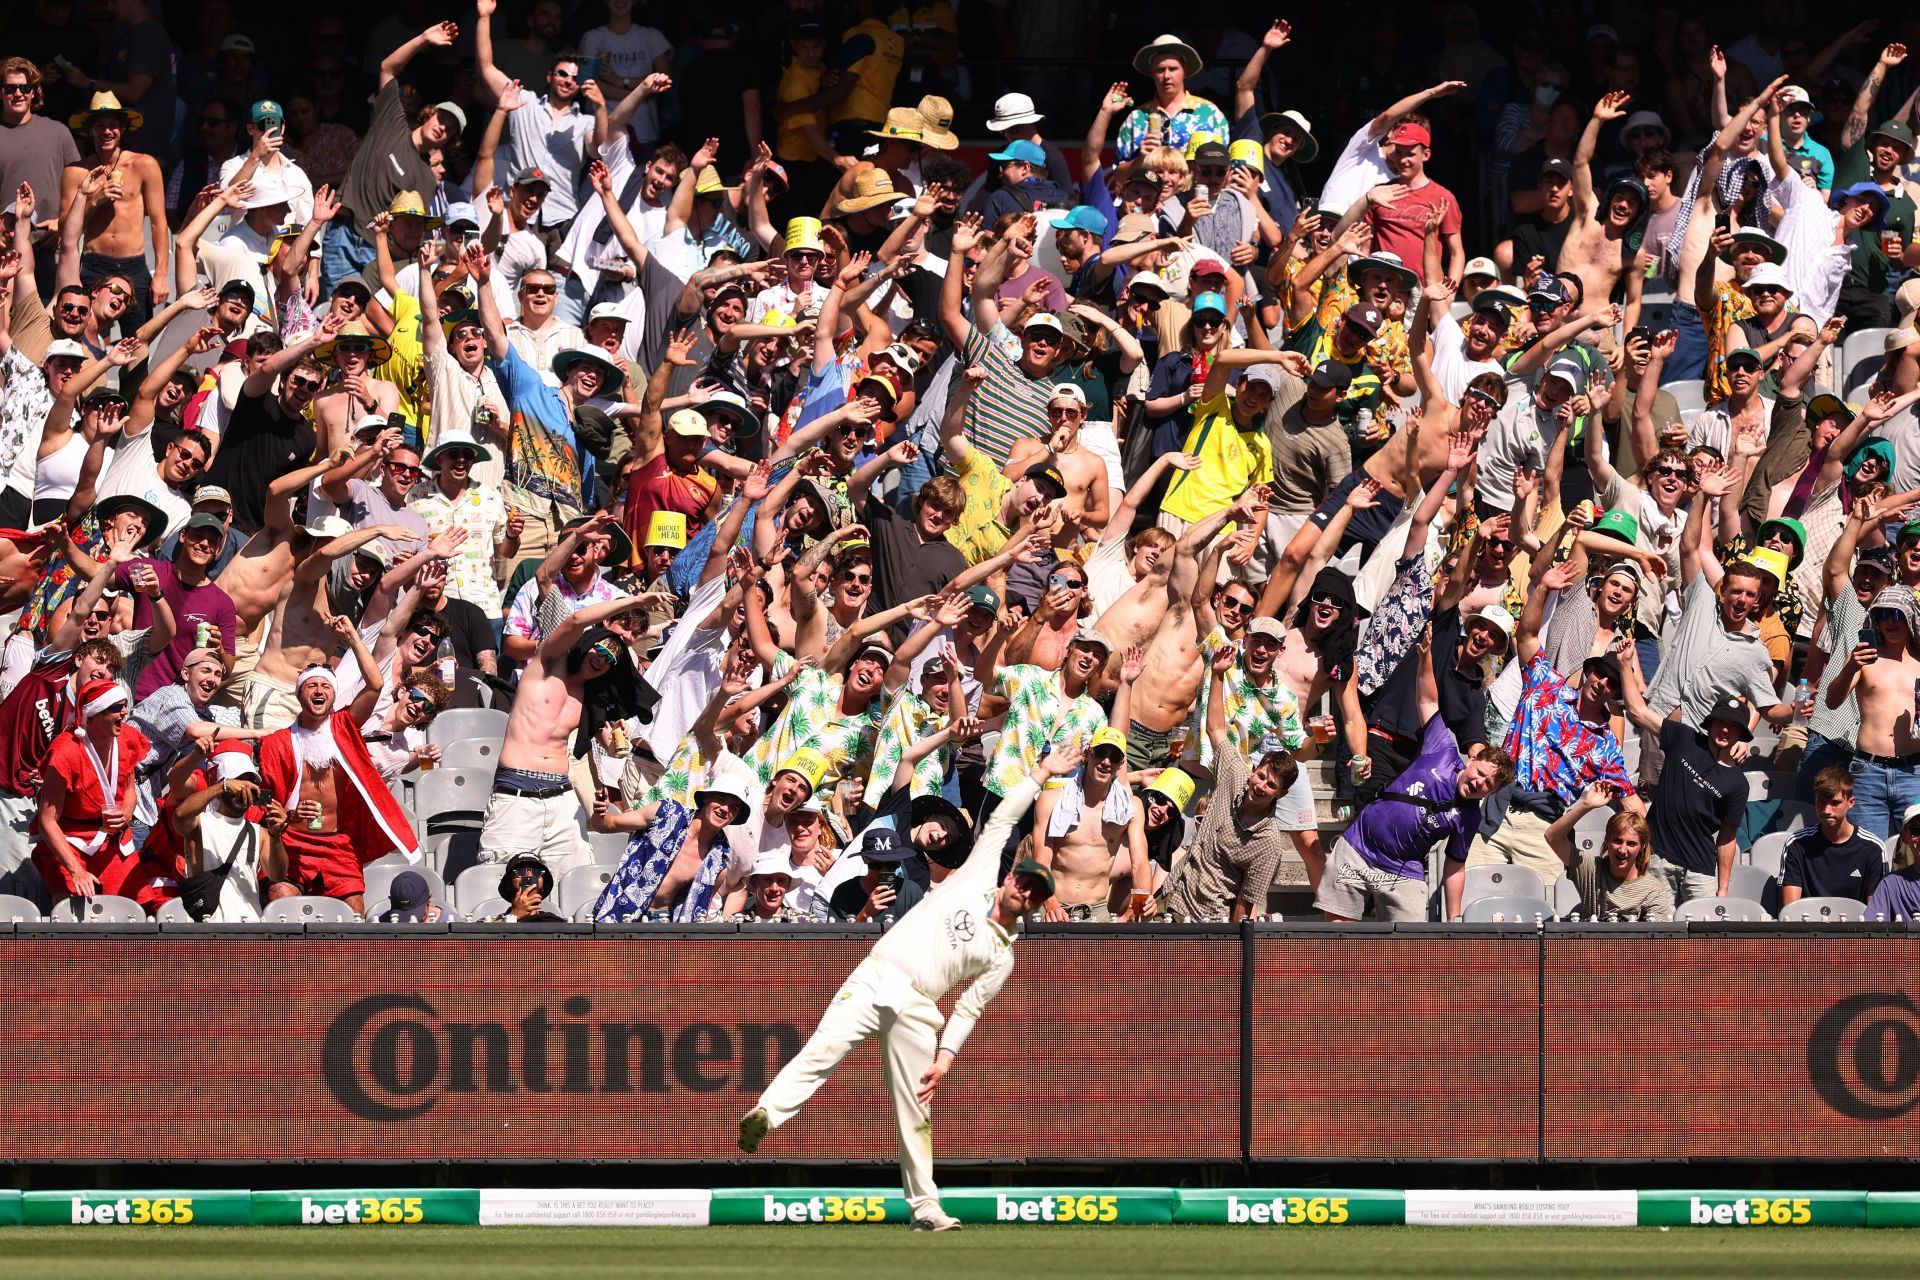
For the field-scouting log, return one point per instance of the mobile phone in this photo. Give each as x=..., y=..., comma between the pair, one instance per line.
x=589, y=68
x=1868, y=637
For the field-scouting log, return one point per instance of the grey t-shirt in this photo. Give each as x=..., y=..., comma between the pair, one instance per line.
x=1645, y=897
x=34, y=152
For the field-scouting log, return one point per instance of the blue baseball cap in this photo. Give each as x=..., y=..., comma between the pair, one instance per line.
x=1083, y=217
x=1867, y=191
x=1210, y=302
x=1021, y=149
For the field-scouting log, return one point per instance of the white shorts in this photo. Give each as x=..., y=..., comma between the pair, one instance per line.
x=549, y=828
x=1294, y=810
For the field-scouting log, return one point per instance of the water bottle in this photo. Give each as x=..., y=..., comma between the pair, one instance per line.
x=1801, y=698
x=444, y=657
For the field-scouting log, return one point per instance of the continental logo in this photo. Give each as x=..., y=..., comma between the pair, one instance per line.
x=1863, y=1057
x=390, y=1057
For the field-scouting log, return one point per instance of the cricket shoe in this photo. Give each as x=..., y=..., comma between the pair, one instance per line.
x=753, y=1129
x=935, y=1220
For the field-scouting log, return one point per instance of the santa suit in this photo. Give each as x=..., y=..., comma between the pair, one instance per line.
x=38, y=711
x=112, y=860
x=368, y=821
x=948, y=938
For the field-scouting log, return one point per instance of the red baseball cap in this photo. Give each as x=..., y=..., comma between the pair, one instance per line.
x=1409, y=134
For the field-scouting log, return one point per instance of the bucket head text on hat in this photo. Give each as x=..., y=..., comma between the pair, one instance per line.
x=903, y=124
x=803, y=235
x=1176, y=785
x=936, y=123
x=104, y=104
x=1011, y=110
x=871, y=187
x=667, y=529
x=1306, y=147
x=807, y=764
x=1022, y=150
x=1162, y=46
x=1247, y=152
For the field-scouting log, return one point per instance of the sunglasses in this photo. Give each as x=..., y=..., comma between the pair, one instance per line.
x=456, y=456
x=118, y=290
x=17, y=90
x=403, y=469
x=539, y=288
x=427, y=629
x=73, y=308
x=1483, y=398
x=303, y=384
x=1236, y=604
x=805, y=255
x=1065, y=411
x=1678, y=473
x=859, y=578
x=1326, y=598
x=352, y=347
x=1042, y=336
x=421, y=700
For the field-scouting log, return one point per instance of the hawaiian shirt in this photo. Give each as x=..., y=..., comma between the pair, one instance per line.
x=1553, y=749
x=524, y=617
x=1040, y=717
x=650, y=855
x=1730, y=304
x=1389, y=346
x=1195, y=116
x=24, y=407
x=482, y=512
x=689, y=768
x=907, y=721
x=813, y=719
x=1254, y=712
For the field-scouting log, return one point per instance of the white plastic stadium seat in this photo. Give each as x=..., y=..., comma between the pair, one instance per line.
x=451, y=852
x=1720, y=909
x=1566, y=898
x=308, y=910
x=379, y=876
x=174, y=912
x=1590, y=832
x=448, y=796
x=467, y=722
x=1497, y=882
x=1769, y=850
x=1518, y=912
x=487, y=909
x=475, y=885
x=1824, y=910
x=609, y=847
x=1861, y=354
x=102, y=909
x=581, y=887
x=1689, y=393
x=1753, y=883
x=471, y=753
x=16, y=910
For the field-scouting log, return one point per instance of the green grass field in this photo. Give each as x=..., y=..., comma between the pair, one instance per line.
x=986, y=1252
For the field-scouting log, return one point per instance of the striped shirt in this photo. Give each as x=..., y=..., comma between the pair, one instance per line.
x=1009, y=405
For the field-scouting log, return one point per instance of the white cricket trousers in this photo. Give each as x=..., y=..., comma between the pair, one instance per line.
x=909, y=1038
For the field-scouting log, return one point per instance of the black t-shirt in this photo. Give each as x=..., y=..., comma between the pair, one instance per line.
x=904, y=568
x=1821, y=869
x=1394, y=706
x=1698, y=798
x=1536, y=236
x=259, y=446
x=709, y=90
x=469, y=629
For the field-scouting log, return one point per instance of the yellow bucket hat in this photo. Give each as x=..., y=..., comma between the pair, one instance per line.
x=1176, y=785
x=809, y=764
x=804, y=233
x=666, y=529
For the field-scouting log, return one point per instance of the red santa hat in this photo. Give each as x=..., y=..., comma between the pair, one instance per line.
x=101, y=694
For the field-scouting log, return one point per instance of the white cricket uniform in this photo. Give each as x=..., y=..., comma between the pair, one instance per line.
x=948, y=938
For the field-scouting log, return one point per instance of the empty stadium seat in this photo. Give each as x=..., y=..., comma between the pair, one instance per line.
x=103, y=908
x=308, y=910
x=1756, y=884
x=451, y=852
x=1862, y=352
x=17, y=910
x=1496, y=882
x=581, y=887
x=476, y=884
x=1689, y=393
x=487, y=908
x=1590, y=831
x=1720, y=909
x=609, y=847
x=174, y=912
x=1521, y=912
x=471, y=753
x=1768, y=851
x=453, y=796
x=1566, y=898
x=1824, y=910
x=379, y=895
x=467, y=722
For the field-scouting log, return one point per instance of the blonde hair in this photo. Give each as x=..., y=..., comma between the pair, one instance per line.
x=1169, y=160
x=1633, y=824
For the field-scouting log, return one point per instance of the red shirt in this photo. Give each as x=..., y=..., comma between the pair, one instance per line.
x=655, y=487
x=1401, y=227
x=39, y=709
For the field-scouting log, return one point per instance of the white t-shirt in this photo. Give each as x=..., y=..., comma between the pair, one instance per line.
x=291, y=178
x=630, y=55
x=1450, y=363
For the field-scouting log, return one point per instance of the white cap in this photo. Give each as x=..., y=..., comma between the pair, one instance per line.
x=65, y=347
x=608, y=311
x=329, y=527
x=1480, y=267
x=1068, y=391
x=1794, y=94
x=1149, y=280
x=774, y=863
x=1497, y=618
x=234, y=765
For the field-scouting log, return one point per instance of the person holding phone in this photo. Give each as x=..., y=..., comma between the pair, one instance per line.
x=265, y=164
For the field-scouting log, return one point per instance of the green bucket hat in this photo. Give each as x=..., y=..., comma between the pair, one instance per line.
x=1618, y=524
x=1794, y=529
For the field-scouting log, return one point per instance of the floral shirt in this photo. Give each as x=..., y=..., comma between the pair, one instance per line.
x=1730, y=305
x=813, y=719
x=1040, y=717
x=908, y=720
x=24, y=407
x=482, y=512
x=1195, y=116
x=1254, y=712
x=1389, y=346
x=524, y=616
x=1553, y=749
x=688, y=769
x=650, y=855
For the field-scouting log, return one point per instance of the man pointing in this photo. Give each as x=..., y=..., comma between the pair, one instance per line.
x=962, y=931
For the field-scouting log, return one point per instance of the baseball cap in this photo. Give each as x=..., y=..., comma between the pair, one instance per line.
x=982, y=596
x=1496, y=617
x=1332, y=374
x=205, y=520
x=1083, y=217
x=1043, y=320
x=1020, y=149
x=65, y=347
x=531, y=175
x=608, y=311
x=1149, y=281
x=1548, y=289
x=1410, y=134
x=1268, y=627
x=211, y=493
x=1210, y=302
x=267, y=112
x=688, y=422
x=1793, y=95
x=1047, y=479
x=1734, y=711
x=407, y=899
x=1826, y=405
x=1557, y=168
x=773, y=863
x=1088, y=636
x=1744, y=352
x=1571, y=372
x=1028, y=867
x=1107, y=736
x=1068, y=391
x=1879, y=559
x=1480, y=267
x=1363, y=316
x=1212, y=151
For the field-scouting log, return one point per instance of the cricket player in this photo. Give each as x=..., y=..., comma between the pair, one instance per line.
x=962, y=931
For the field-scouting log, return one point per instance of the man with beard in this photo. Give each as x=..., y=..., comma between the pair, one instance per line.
x=533, y=809
x=1602, y=241
x=342, y=816
x=127, y=204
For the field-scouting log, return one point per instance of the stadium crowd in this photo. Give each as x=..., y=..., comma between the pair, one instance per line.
x=1335, y=469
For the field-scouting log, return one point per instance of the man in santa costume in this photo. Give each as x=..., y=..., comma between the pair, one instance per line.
x=342, y=815
x=86, y=805
x=42, y=707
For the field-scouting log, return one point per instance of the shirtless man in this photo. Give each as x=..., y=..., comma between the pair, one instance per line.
x=1884, y=676
x=352, y=391
x=114, y=230
x=534, y=808
x=1598, y=247
x=1086, y=505
x=302, y=631
x=1082, y=858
